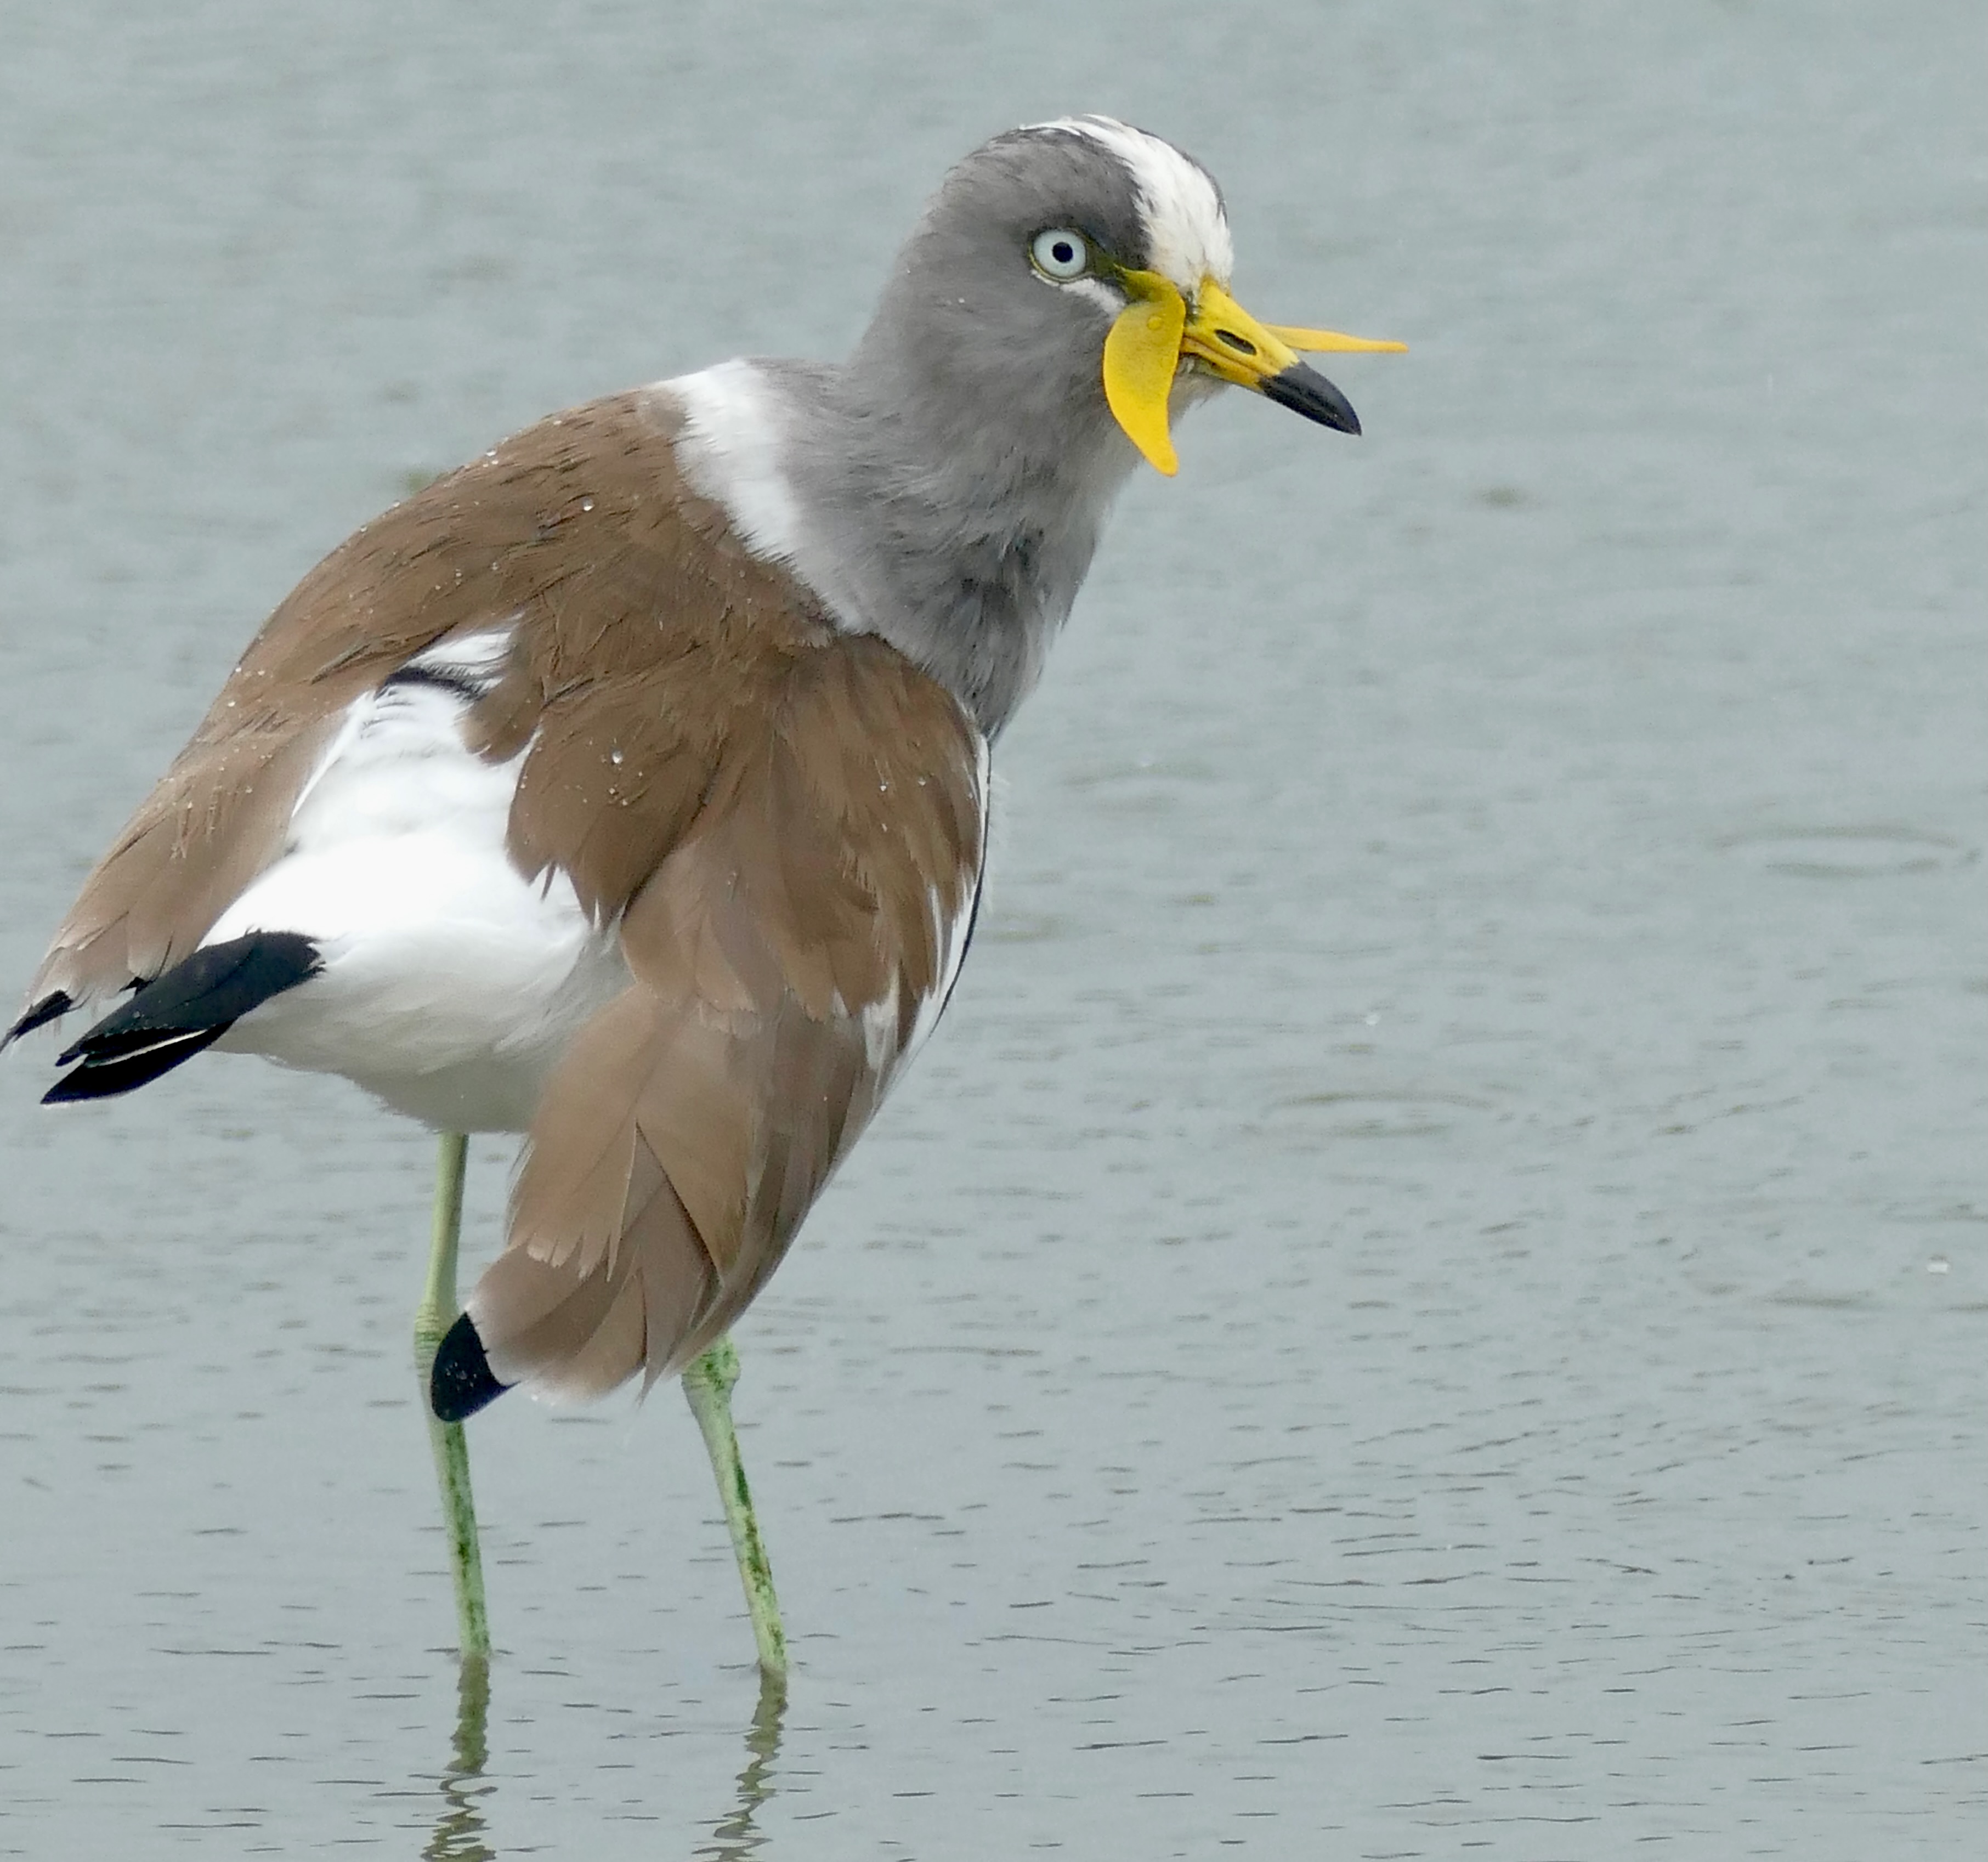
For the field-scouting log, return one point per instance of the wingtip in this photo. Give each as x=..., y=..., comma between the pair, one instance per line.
x=461, y=1381
x=57, y=1003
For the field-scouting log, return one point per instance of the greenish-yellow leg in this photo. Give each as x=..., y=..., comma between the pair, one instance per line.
x=452, y=1451
x=708, y=1383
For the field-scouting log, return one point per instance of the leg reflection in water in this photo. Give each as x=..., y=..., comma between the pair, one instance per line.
x=738, y=1837
x=458, y=1831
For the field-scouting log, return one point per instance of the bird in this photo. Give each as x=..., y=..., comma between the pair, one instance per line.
x=627, y=788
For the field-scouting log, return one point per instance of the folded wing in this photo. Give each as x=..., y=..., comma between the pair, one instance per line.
x=784, y=957
x=579, y=539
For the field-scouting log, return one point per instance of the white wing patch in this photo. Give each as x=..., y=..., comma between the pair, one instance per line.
x=450, y=984
x=476, y=659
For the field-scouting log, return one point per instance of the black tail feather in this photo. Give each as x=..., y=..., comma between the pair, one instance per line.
x=462, y=1382
x=126, y=1072
x=173, y=1017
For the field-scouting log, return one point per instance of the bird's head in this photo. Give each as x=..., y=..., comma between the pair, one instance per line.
x=1080, y=267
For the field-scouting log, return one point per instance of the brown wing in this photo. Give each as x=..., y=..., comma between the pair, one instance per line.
x=788, y=821
x=780, y=957
x=578, y=531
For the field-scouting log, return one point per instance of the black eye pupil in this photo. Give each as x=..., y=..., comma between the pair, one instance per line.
x=1063, y=252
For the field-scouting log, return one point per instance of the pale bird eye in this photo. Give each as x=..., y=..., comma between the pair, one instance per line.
x=1060, y=253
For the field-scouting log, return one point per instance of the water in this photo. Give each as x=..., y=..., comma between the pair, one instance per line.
x=1429, y=1296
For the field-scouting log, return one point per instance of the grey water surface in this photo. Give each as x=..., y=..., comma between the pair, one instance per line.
x=1429, y=1296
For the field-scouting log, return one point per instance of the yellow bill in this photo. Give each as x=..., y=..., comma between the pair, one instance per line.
x=1155, y=337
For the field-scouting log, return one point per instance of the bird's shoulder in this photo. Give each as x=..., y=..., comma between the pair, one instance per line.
x=611, y=629
x=580, y=534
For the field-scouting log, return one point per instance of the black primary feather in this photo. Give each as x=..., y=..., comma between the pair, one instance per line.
x=58, y=1002
x=174, y=1016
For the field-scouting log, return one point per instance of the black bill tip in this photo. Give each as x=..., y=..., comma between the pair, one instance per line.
x=461, y=1382
x=1304, y=391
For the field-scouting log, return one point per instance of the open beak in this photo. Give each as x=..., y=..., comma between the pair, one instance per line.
x=1157, y=334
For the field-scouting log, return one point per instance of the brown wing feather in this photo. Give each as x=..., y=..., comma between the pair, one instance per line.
x=786, y=820
x=623, y=586
x=841, y=835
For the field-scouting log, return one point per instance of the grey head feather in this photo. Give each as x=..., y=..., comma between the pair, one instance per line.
x=952, y=477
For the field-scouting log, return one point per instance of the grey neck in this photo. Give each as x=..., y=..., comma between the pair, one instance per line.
x=959, y=533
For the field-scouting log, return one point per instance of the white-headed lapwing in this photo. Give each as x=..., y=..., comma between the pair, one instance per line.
x=627, y=787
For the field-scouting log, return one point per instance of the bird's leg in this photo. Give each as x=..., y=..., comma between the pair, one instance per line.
x=707, y=1385
x=452, y=1451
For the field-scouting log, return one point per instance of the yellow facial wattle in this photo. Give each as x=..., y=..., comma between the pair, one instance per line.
x=1155, y=336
